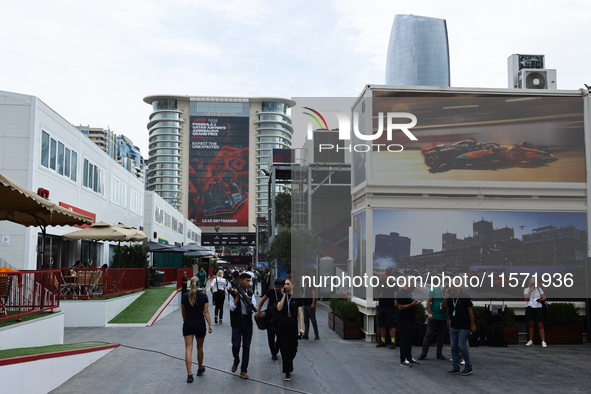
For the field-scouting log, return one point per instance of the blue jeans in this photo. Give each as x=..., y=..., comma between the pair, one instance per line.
x=243, y=333
x=459, y=344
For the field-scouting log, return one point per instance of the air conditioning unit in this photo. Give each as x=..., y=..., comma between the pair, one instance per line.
x=528, y=78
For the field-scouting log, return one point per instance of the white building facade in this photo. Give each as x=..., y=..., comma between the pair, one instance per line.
x=40, y=149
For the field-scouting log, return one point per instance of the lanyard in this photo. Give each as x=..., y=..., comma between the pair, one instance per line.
x=455, y=303
x=288, y=309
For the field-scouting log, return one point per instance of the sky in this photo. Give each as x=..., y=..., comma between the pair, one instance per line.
x=94, y=62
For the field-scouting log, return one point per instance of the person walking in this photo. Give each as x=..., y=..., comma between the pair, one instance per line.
x=436, y=323
x=241, y=321
x=274, y=296
x=308, y=295
x=218, y=291
x=202, y=277
x=290, y=312
x=534, y=311
x=407, y=310
x=461, y=321
x=195, y=313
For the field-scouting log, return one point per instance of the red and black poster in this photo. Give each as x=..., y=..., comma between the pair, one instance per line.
x=218, y=171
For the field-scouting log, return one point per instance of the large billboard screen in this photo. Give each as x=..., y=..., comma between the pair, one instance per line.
x=492, y=254
x=484, y=137
x=218, y=171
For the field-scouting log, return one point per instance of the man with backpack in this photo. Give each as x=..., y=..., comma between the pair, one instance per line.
x=461, y=322
x=274, y=296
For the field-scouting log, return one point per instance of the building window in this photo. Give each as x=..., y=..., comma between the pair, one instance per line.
x=60, y=158
x=93, y=178
x=118, y=191
x=67, y=163
x=136, y=202
x=52, y=154
x=44, y=149
x=74, y=166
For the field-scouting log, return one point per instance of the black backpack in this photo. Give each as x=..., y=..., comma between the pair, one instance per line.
x=497, y=337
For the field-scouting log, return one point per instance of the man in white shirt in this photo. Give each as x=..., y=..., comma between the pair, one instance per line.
x=241, y=321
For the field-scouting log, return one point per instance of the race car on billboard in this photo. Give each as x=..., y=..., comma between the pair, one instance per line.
x=469, y=152
x=222, y=199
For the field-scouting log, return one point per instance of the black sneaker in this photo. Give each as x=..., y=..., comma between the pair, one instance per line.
x=466, y=372
x=189, y=378
x=305, y=336
x=216, y=320
x=274, y=358
x=439, y=357
x=287, y=376
x=422, y=356
x=381, y=344
x=393, y=345
x=200, y=371
x=414, y=362
x=409, y=365
x=453, y=372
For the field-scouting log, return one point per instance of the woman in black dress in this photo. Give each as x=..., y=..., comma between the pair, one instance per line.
x=195, y=313
x=290, y=312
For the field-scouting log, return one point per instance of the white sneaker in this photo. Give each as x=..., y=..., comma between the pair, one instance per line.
x=530, y=342
x=463, y=362
x=544, y=344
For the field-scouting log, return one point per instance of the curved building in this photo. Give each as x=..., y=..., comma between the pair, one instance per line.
x=418, y=52
x=209, y=155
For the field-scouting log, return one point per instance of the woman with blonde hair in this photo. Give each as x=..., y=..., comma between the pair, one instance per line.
x=195, y=313
x=218, y=291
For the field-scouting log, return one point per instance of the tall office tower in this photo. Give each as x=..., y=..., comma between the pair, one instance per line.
x=104, y=138
x=208, y=156
x=418, y=53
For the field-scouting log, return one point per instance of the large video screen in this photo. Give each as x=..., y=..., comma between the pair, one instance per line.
x=491, y=254
x=468, y=137
x=218, y=171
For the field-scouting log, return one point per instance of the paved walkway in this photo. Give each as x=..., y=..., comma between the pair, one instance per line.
x=329, y=365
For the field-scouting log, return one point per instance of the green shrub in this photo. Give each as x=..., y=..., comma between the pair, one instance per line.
x=347, y=311
x=562, y=314
x=421, y=316
x=482, y=315
x=335, y=299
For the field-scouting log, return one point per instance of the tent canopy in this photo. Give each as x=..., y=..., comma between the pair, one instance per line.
x=102, y=231
x=22, y=206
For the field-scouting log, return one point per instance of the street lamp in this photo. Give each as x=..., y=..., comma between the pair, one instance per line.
x=256, y=258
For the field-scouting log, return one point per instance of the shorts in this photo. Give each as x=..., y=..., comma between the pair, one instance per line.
x=536, y=314
x=386, y=318
x=198, y=330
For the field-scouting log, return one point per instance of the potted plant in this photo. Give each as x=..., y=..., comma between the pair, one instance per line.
x=334, y=300
x=346, y=322
x=482, y=316
x=420, y=326
x=562, y=325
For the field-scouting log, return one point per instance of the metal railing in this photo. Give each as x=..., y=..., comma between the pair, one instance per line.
x=171, y=275
x=26, y=292
x=87, y=283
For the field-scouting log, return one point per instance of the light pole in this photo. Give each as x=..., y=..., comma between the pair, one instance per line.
x=256, y=258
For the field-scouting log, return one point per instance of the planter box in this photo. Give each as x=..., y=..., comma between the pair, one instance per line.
x=331, y=320
x=565, y=335
x=511, y=334
x=347, y=330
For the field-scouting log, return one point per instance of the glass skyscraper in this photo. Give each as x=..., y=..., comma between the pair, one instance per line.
x=418, y=52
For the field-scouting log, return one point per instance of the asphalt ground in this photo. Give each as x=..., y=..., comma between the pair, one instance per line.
x=151, y=360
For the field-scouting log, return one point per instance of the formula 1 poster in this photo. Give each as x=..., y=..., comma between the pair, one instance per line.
x=218, y=171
